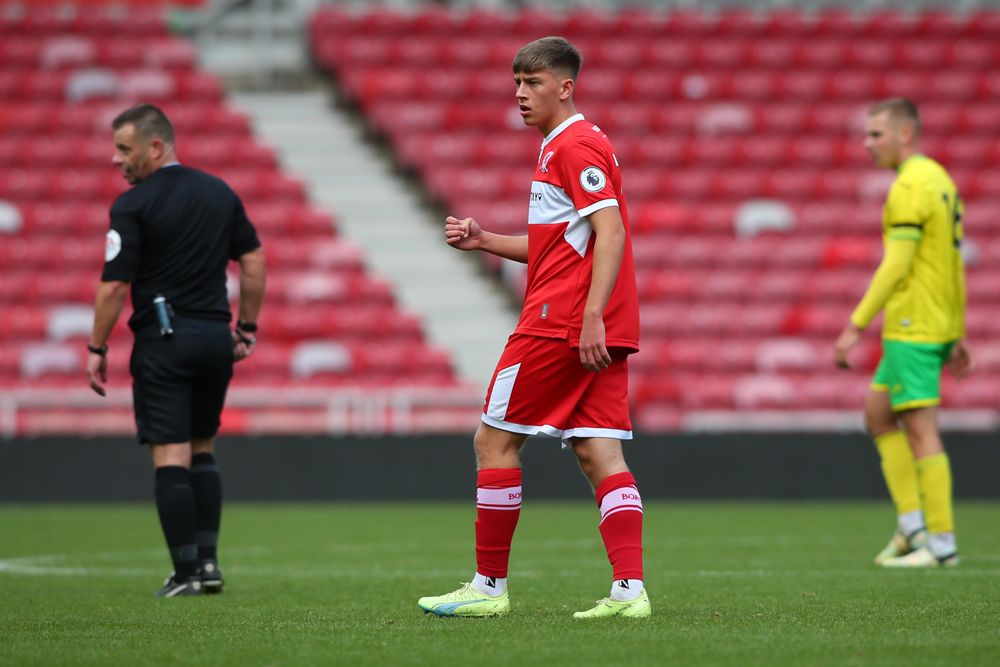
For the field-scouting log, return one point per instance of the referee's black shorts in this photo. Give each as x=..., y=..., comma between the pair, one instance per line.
x=179, y=383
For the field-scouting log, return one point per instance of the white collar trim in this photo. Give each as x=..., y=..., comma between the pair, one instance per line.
x=562, y=126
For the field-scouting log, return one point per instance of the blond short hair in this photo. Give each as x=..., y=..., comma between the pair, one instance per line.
x=899, y=109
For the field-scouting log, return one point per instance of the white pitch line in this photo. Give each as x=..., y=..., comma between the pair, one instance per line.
x=68, y=565
x=51, y=570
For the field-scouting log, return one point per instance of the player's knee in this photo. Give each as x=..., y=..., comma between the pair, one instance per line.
x=587, y=464
x=171, y=456
x=879, y=421
x=877, y=426
x=495, y=448
x=202, y=445
x=924, y=440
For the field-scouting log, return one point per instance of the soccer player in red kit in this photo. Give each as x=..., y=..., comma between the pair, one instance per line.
x=564, y=371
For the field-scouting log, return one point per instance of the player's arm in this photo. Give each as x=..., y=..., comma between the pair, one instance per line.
x=121, y=263
x=609, y=247
x=895, y=266
x=245, y=249
x=111, y=296
x=960, y=359
x=900, y=249
x=466, y=234
x=253, y=279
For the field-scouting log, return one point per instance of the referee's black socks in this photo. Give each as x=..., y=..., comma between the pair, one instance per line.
x=207, y=484
x=175, y=503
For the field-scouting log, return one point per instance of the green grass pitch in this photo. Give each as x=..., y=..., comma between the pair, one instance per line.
x=737, y=583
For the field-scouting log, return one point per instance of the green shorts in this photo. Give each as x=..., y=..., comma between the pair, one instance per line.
x=911, y=373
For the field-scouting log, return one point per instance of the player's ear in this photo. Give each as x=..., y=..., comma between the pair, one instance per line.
x=907, y=132
x=566, y=89
x=156, y=148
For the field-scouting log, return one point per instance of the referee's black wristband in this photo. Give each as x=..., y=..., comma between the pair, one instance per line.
x=249, y=327
x=102, y=350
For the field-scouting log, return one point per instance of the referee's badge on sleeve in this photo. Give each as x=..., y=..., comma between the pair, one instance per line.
x=113, y=246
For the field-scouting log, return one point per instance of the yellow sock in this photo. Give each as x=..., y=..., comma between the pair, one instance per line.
x=934, y=477
x=899, y=471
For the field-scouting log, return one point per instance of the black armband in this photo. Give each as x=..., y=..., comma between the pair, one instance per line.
x=102, y=350
x=249, y=327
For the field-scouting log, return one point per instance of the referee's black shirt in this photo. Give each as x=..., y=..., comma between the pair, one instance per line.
x=173, y=234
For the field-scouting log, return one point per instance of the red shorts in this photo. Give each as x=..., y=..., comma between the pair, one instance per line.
x=540, y=386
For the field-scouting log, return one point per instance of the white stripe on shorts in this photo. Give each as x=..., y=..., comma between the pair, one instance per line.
x=502, y=388
x=508, y=498
x=623, y=499
x=564, y=435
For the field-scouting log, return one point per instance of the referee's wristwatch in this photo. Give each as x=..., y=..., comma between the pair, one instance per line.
x=102, y=350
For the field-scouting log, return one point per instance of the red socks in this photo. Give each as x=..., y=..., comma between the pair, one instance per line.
x=498, y=505
x=621, y=524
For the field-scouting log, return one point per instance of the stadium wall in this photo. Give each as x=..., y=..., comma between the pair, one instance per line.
x=780, y=466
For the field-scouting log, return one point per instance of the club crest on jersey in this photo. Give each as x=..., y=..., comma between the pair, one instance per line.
x=112, y=246
x=544, y=167
x=593, y=179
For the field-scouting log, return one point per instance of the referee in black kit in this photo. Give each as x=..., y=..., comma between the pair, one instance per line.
x=171, y=237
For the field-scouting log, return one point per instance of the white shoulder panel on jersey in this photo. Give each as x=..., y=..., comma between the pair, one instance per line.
x=550, y=205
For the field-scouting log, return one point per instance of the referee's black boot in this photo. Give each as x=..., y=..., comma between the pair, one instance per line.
x=211, y=577
x=173, y=587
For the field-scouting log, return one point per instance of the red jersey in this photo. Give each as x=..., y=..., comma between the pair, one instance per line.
x=577, y=174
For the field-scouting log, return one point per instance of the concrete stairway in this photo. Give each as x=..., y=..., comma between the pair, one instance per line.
x=463, y=310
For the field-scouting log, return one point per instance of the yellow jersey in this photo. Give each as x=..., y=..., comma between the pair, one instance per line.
x=923, y=205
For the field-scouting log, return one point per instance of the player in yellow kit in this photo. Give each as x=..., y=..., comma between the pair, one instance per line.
x=920, y=286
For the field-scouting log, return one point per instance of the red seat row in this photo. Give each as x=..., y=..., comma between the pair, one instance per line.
x=142, y=20
x=680, y=52
x=68, y=216
x=369, y=321
x=795, y=183
x=656, y=216
x=72, y=52
x=152, y=84
x=836, y=390
x=767, y=251
x=95, y=151
x=103, y=184
x=780, y=284
x=276, y=360
x=481, y=149
x=288, y=285
x=683, y=117
x=49, y=118
x=47, y=252
x=387, y=83
x=653, y=23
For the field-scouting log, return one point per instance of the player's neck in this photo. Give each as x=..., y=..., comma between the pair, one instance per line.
x=565, y=112
x=168, y=157
x=905, y=154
